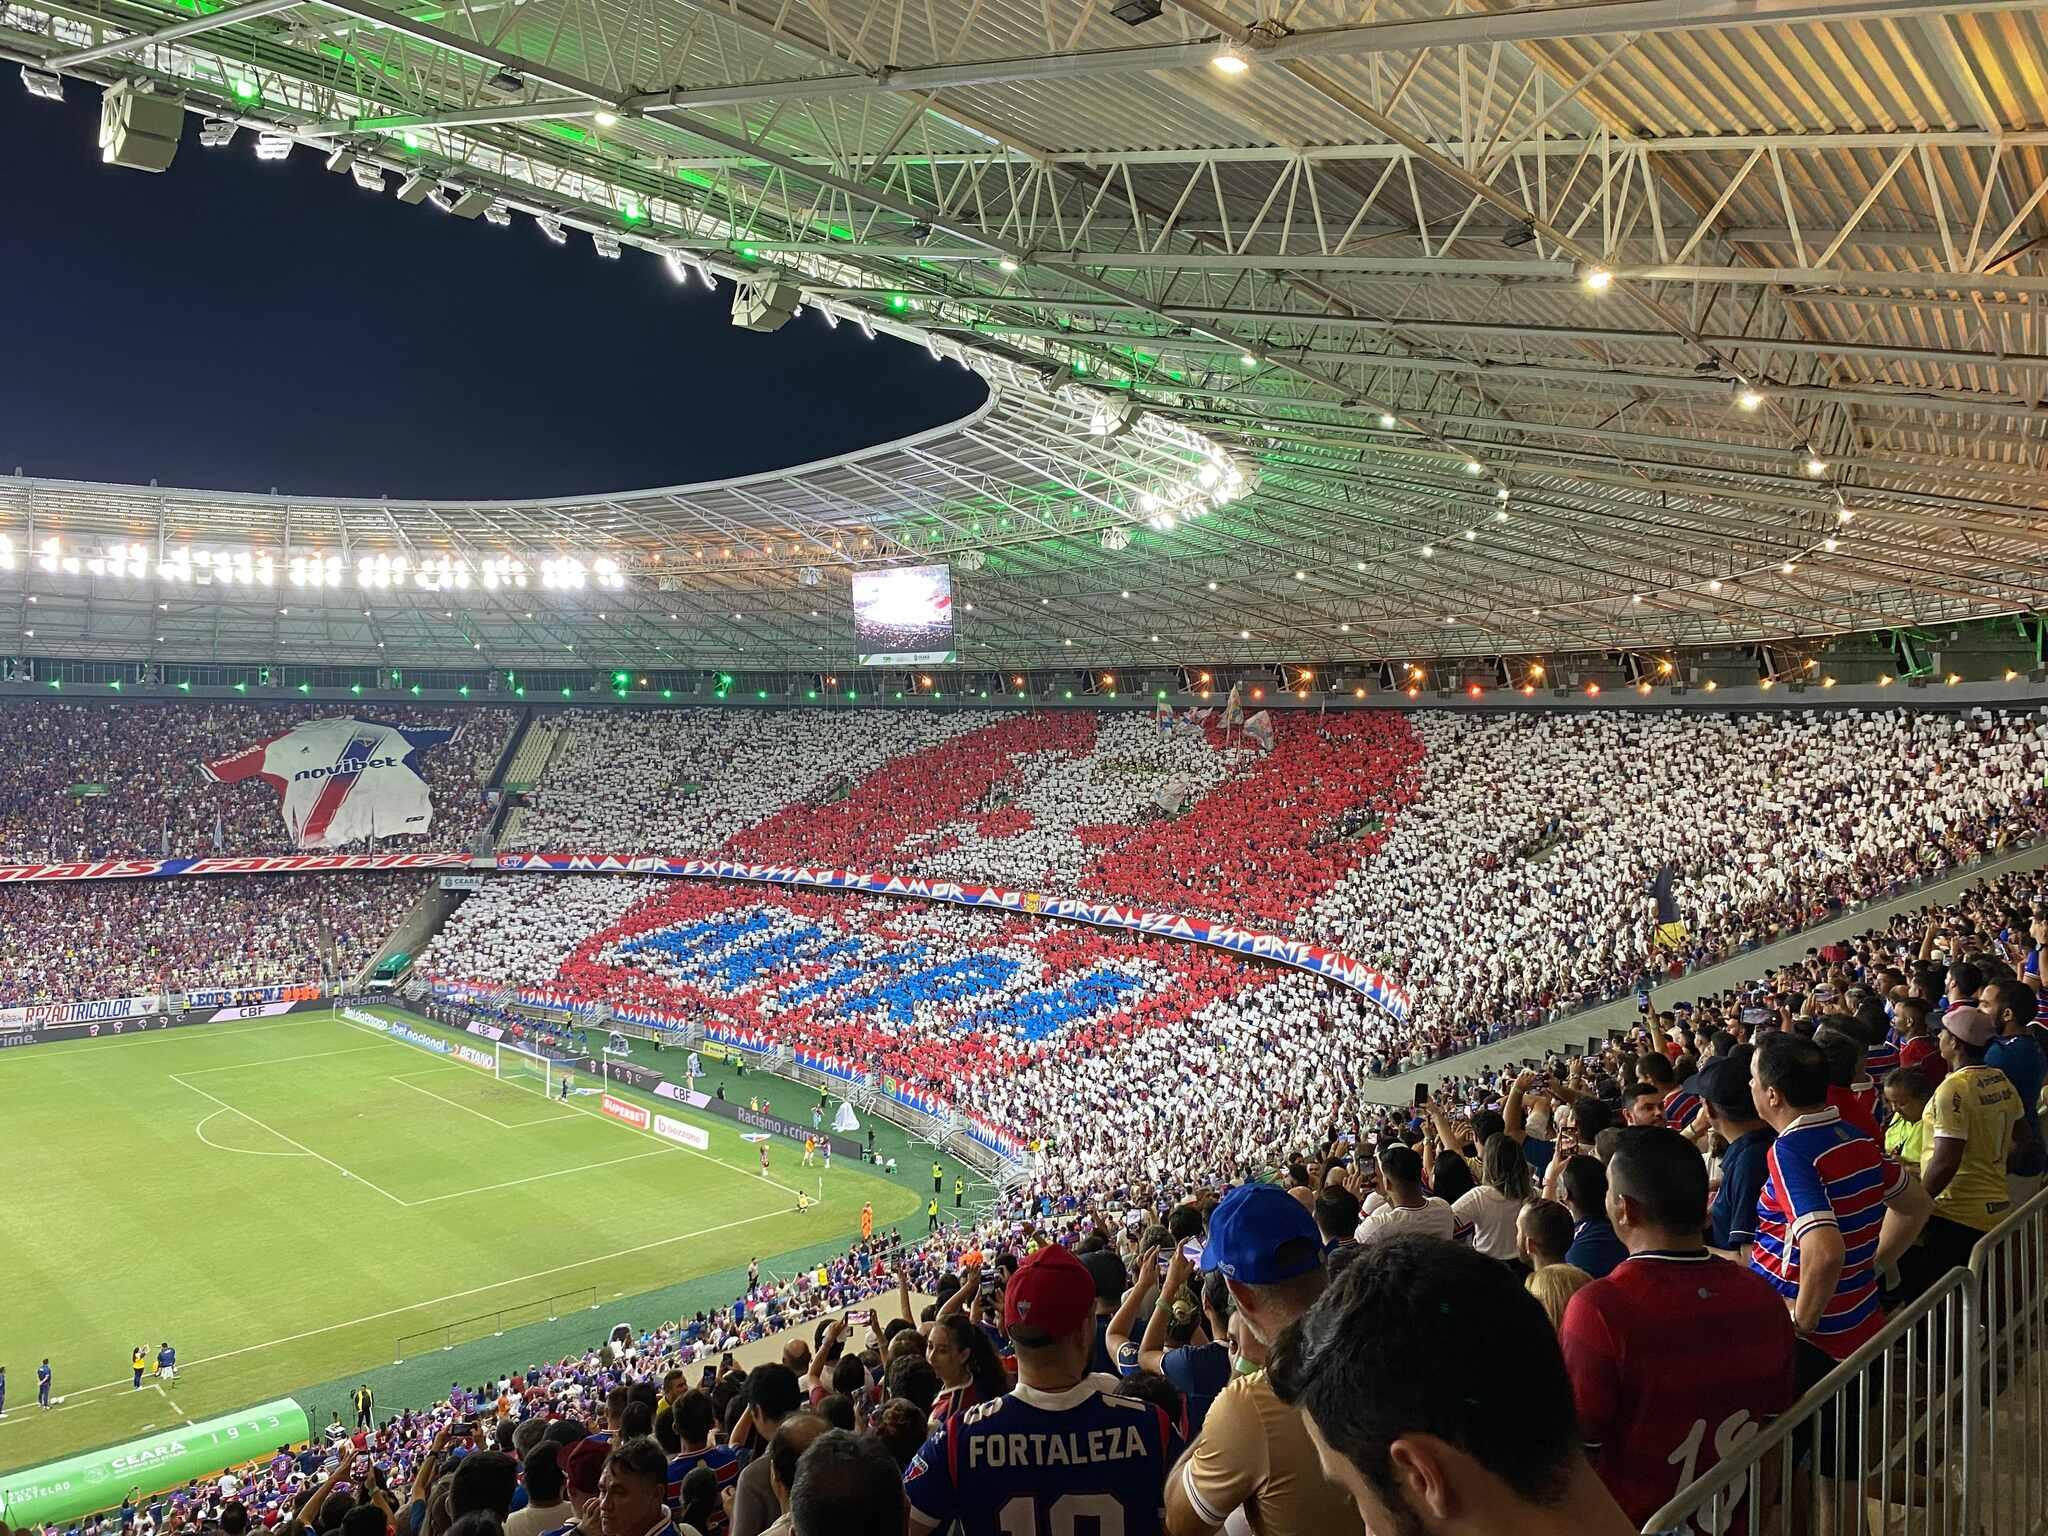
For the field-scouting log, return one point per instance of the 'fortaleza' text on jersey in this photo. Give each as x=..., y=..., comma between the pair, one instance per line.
x=340, y=781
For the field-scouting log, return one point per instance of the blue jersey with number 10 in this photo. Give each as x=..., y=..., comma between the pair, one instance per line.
x=1085, y=1462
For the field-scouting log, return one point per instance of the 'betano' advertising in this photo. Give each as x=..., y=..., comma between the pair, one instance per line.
x=1382, y=991
x=78, y=1485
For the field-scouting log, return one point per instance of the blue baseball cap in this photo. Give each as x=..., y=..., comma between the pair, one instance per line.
x=1248, y=1229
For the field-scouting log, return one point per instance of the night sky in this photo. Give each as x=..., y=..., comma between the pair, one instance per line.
x=237, y=325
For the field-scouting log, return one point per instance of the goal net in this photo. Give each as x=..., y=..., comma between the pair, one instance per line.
x=525, y=1069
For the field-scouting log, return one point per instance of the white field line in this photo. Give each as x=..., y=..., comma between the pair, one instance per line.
x=197, y=1032
x=199, y=1130
x=631, y=1157
x=280, y=1135
x=403, y=1079
x=476, y=1290
x=597, y=1114
x=277, y=1061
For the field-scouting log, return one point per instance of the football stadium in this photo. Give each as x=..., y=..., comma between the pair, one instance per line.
x=1112, y=768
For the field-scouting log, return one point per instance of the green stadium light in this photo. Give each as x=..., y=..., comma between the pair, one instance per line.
x=519, y=692
x=1162, y=693
x=305, y=687
x=464, y=690
x=748, y=253
x=1070, y=693
x=414, y=690
x=241, y=687
x=667, y=693
x=810, y=693
x=852, y=695
x=115, y=685
x=247, y=90
x=619, y=679
x=898, y=302
x=55, y=683
x=899, y=693
x=761, y=693
x=984, y=693
x=356, y=689
x=566, y=693
x=185, y=687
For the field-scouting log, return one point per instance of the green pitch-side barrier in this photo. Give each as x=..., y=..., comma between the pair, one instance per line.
x=79, y=1485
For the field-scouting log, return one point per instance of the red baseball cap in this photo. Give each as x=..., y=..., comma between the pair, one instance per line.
x=1051, y=1292
x=584, y=1464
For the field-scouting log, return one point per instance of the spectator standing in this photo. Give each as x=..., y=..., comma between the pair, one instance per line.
x=773, y=1393
x=1906, y=1092
x=1405, y=1205
x=632, y=1494
x=1253, y=1454
x=793, y=1437
x=1832, y=1211
x=1660, y=1404
x=1723, y=1086
x=846, y=1485
x=1969, y=1121
x=547, y=1494
x=1493, y=1206
x=1595, y=1248
x=1438, y=1400
x=1064, y=1441
x=2015, y=1052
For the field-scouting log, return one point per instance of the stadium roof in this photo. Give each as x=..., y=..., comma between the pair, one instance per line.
x=1539, y=328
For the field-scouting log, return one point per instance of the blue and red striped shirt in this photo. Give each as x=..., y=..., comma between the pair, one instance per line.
x=1823, y=1173
x=1681, y=1109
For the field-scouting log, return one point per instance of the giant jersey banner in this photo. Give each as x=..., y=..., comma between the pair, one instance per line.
x=339, y=781
x=1382, y=991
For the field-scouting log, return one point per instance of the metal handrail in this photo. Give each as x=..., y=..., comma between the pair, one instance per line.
x=1709, y=1494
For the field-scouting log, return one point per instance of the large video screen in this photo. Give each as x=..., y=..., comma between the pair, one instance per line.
x=903, y=616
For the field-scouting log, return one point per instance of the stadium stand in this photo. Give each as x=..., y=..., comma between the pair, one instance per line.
x=114, y=778
x=1503, y=868
x=1354, y=1189
x=127, y=938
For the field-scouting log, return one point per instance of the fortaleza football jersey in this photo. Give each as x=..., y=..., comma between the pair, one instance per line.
x=340, y=780
x=1084, y=1462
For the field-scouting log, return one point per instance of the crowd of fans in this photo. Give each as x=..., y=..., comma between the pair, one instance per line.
x=1762, y=825
x=1544, y=1299
x=65, y=941
x=1232, y=1285
x=1520, y=891
x=116, y=778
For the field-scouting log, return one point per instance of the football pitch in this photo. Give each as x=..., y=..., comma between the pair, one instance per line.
x=285, y=1200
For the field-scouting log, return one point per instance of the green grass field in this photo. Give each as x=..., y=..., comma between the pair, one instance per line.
x=285, y=1199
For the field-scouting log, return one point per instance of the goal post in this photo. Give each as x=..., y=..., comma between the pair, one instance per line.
x=522, y=1068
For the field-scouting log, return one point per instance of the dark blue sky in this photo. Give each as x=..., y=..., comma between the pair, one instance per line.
x=232, y=324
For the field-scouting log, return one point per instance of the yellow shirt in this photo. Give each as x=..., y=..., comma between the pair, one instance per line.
x=1254, y=1453
x=1977, y=1106
x=1905, y=1141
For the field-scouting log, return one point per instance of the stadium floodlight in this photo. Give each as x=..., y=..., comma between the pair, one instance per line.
x=440, y=199
x=216, y=133
x=41, y=82
x=498, y=214
x=552, y=228
x=369, y=177
x=605, y=245
x=416, y=189
x=469, y=201
x=341, y=158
